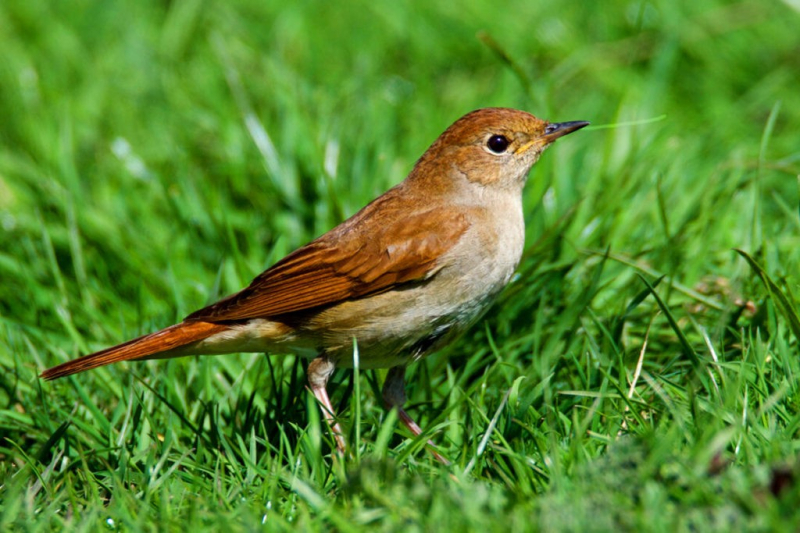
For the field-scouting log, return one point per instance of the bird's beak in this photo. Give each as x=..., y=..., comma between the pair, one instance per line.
x=553, y=131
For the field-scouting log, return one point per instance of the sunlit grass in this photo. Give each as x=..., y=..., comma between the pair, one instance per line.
x=637, y=374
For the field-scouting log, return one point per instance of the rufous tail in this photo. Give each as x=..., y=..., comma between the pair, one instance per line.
x=139, y=348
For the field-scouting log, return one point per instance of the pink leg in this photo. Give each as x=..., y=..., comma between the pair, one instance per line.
x=319, y=370
x=394, y=395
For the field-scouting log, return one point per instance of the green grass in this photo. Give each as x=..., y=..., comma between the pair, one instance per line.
x=156, y=156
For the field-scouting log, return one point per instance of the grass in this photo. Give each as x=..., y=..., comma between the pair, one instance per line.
x=639, y=374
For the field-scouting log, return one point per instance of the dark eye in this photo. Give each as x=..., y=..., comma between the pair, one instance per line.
x=497, y=143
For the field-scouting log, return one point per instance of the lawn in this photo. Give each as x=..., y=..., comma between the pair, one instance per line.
x=641, y=372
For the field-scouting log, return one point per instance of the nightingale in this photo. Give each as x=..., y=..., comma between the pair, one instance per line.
x=404, y=276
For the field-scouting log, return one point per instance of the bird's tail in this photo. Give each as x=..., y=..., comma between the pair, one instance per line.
x=143, y=347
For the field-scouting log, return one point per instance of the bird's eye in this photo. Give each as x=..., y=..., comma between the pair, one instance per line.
x=498, y=143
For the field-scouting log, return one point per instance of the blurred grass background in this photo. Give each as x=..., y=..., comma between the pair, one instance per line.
x=155, y=156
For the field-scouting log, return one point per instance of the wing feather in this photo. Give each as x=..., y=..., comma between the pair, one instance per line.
x=346, y=263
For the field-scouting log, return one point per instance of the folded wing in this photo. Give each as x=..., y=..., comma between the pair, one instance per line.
x=346, y=263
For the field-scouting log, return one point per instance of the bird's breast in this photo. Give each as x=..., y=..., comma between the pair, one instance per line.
x=415, y=318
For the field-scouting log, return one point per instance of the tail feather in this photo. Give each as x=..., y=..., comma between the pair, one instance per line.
x=138, y=348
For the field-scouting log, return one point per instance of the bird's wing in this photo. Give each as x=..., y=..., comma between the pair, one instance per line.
x=346, y=263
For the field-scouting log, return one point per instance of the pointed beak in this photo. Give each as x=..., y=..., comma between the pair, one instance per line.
x=552, y=131
x=555, y=130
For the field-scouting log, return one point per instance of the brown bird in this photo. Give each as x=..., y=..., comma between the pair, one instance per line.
x=404, y=276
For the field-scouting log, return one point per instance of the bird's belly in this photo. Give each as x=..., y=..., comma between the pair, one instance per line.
x=394, y=327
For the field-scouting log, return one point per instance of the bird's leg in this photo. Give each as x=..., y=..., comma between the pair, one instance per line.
x=319, y=370
x=394, y=395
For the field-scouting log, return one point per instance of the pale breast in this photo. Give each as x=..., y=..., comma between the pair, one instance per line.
x=397, y=325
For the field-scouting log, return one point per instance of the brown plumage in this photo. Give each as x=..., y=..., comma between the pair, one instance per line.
x=344, y=264
x=138, y=348
x=403, y=276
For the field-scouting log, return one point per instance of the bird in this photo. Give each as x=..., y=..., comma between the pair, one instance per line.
x=400, y=279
